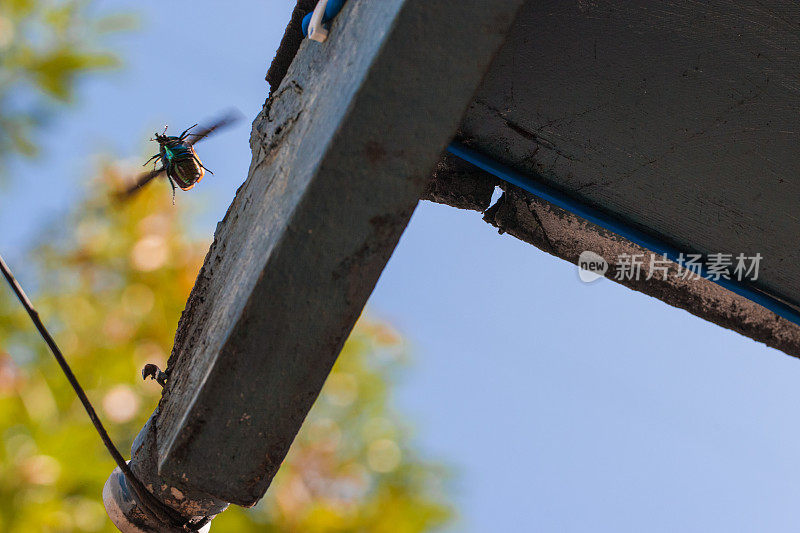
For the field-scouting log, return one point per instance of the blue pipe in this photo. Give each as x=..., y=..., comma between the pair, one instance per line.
x=591, y=214
x=615, y=225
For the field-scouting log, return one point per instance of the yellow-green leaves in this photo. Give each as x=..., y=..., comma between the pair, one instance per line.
x=112, y=282
x=55, y=71
x=46, y=46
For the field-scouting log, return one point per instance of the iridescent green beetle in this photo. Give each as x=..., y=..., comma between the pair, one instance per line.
x=178, y=159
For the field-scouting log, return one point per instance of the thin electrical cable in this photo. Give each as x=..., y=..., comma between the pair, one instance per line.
x=595, y=216
x=159, y=509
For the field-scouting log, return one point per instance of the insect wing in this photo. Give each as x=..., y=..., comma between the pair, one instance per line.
x=231, y=117
x=141, y=181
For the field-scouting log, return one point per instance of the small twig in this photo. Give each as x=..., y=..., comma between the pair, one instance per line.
x=158, y=508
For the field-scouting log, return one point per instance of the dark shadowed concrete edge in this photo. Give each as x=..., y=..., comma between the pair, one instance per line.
x=290, y=44
x=565, y=236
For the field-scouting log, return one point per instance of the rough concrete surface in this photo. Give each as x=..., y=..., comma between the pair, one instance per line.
x=678, y=117
x=459, y=184
x=565, y=236
x=342, y=151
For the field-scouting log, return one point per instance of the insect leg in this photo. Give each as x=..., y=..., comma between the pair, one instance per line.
x=169, y=169
x=171, y=182
x=154, y=157
x=201, y=163
x=186, y=131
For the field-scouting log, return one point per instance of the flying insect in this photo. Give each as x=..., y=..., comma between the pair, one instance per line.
x=178, y=158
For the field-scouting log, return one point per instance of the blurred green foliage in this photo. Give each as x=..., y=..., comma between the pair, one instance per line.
x=46, y=46
x=111, y=283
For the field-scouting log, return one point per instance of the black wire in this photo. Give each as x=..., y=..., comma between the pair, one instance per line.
x=159, y=509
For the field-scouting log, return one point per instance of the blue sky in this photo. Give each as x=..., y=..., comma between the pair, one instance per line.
x=564, y=407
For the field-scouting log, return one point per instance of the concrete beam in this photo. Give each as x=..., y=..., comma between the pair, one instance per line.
x=459, y=184
x=565, y=235
x=341, y=153
x=673, y=117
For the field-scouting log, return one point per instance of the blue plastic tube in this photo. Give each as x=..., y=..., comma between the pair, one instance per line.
x=595, y=216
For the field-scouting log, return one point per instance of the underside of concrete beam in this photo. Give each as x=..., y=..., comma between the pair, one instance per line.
x=459, y=184
x=564, y=235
